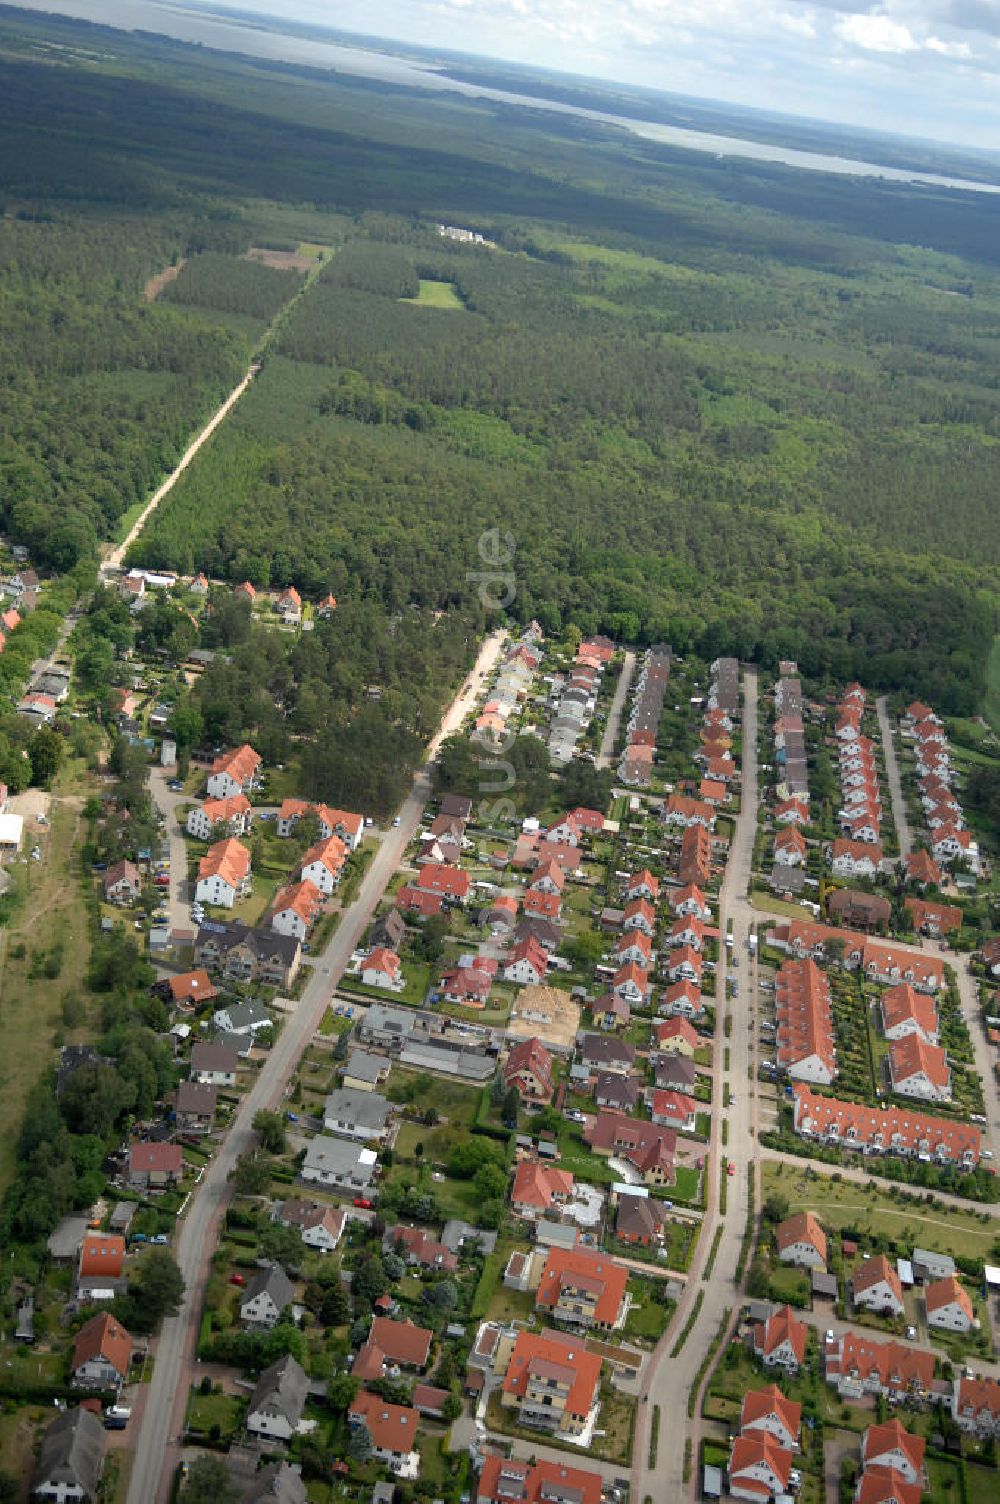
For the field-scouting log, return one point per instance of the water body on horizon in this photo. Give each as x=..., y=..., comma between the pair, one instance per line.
x=236, y=35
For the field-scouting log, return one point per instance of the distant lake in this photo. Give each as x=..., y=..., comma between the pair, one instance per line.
x=237, y=35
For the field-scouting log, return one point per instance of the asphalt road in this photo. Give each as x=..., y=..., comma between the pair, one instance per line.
x=668, y=1380
x=615, y=712
x=167, y=802
x=899, y=819
x=157, y=1452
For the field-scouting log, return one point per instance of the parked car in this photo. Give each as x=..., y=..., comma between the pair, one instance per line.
x=364, y=1203
x=237, y=1279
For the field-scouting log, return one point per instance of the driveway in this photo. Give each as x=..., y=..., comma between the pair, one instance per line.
x=178, y=904
x=615, y=713
x=903, y=834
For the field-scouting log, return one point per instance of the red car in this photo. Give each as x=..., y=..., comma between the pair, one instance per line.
x=237, y=1279
x=364, y=1202
x=730, y=1168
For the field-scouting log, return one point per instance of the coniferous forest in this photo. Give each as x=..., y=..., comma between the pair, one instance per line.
x=734, y=407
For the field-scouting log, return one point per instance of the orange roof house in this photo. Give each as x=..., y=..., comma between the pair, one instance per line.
x=582, y=1287
x=769, y=1411
x=102, y=1253
x=558, y=1358
x=537, y=1186
x=801, y=1240
x=102, y=1351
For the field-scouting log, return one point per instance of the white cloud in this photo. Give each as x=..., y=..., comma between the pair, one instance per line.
x=876, y=33
x=948, y=49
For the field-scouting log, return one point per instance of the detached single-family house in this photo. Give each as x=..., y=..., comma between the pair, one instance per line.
x=154, y=1166
x=195, y=1107
x=278, y=1401
x=339, y=1163
x=890, y=1445
x=289, y=606
x=295, y=909
x=948, y=1305
x=767, y=1412
x=392, y=1428
x=269, y=1293
x=382, y=968
x=759, y=1468
x=214, y=1064
x=875, y=1285
x=320, y=1227
x=362, y=1115
x=801, y=1241
x=71, y=1457
x=529, y=1068
x=101, y=1354
x=122, y=883
x=780, y=1341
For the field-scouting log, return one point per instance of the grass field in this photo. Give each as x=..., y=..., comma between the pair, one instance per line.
x=436, y=295
x=50, y=920
x=845, y=1203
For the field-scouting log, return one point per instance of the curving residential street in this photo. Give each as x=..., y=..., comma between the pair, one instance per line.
x=157, y=1453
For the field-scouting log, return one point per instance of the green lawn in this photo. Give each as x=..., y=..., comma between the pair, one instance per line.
x=845, y=1203
x=451, y=1099
x=223, y=1410
x=434, y=294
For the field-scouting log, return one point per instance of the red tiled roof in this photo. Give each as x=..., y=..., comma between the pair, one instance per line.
x=804, y=1015
x=781, y=1326
x=573, y=1267
x=156, y=1159
x=892, y=1436
x=942, y=1292
x=566, y=1357
x=758, y=1404
x=876, y=1271
x=393, y=1428
x=752, y=1451
x=240, y=763
x=902, y=1130
x=802, y=1228
x=226, y=859
x=103, y=1337
x=503, y=1480
x=538, y=1185
x=912, y=1055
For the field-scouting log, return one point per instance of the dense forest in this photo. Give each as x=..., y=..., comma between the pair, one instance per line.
x=738, y=408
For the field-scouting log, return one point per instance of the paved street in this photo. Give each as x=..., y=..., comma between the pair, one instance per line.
x=899, y=819
x=167, y=802
x=606, y=754
x=157, y=1452
x=669, y=1380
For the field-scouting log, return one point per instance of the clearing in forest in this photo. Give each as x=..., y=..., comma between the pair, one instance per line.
x=434, y=294
x=283, y=261
x=156, y=284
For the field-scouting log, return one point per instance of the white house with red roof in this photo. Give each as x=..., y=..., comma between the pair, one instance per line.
x=296, y=908
x=528, y=964
x=690, y=900
x=639, y=915
x=875, y=1286
x=323, y=864
x=948, y=1305
x=975, y=1406
x=918, y=1069
x=780, y=1341
x=905, y=1011
x=235, y=772
x=790, y=847
x=767, y=1412
x=289, y=606
x=684, y=965
x=382, y=968
x=682, y=999
x=891, y=1445
x=801, y=1241
x=643, y=885
x=759, y=1468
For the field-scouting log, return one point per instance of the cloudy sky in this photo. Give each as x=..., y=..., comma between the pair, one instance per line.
x=926, y=68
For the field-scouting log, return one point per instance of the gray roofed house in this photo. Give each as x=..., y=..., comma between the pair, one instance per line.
x=387, y=1026
x=605, y=1052
x=640, y=1220
x=617, y=1091
x=474, y=1065
x=674, y=1073
x=277, y=1403
x=241, y=1020
x=195, y=1106
x=931, y=1266
x=338, y=1162
x=544, y=931
x=356, y=1114
x=69, y=1464
x=365, y=1071
x=557, y=1234
x=276, y=1484
x=25, y=1328
x=389, y=931
x=269, y=1292
x=456, y=1233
